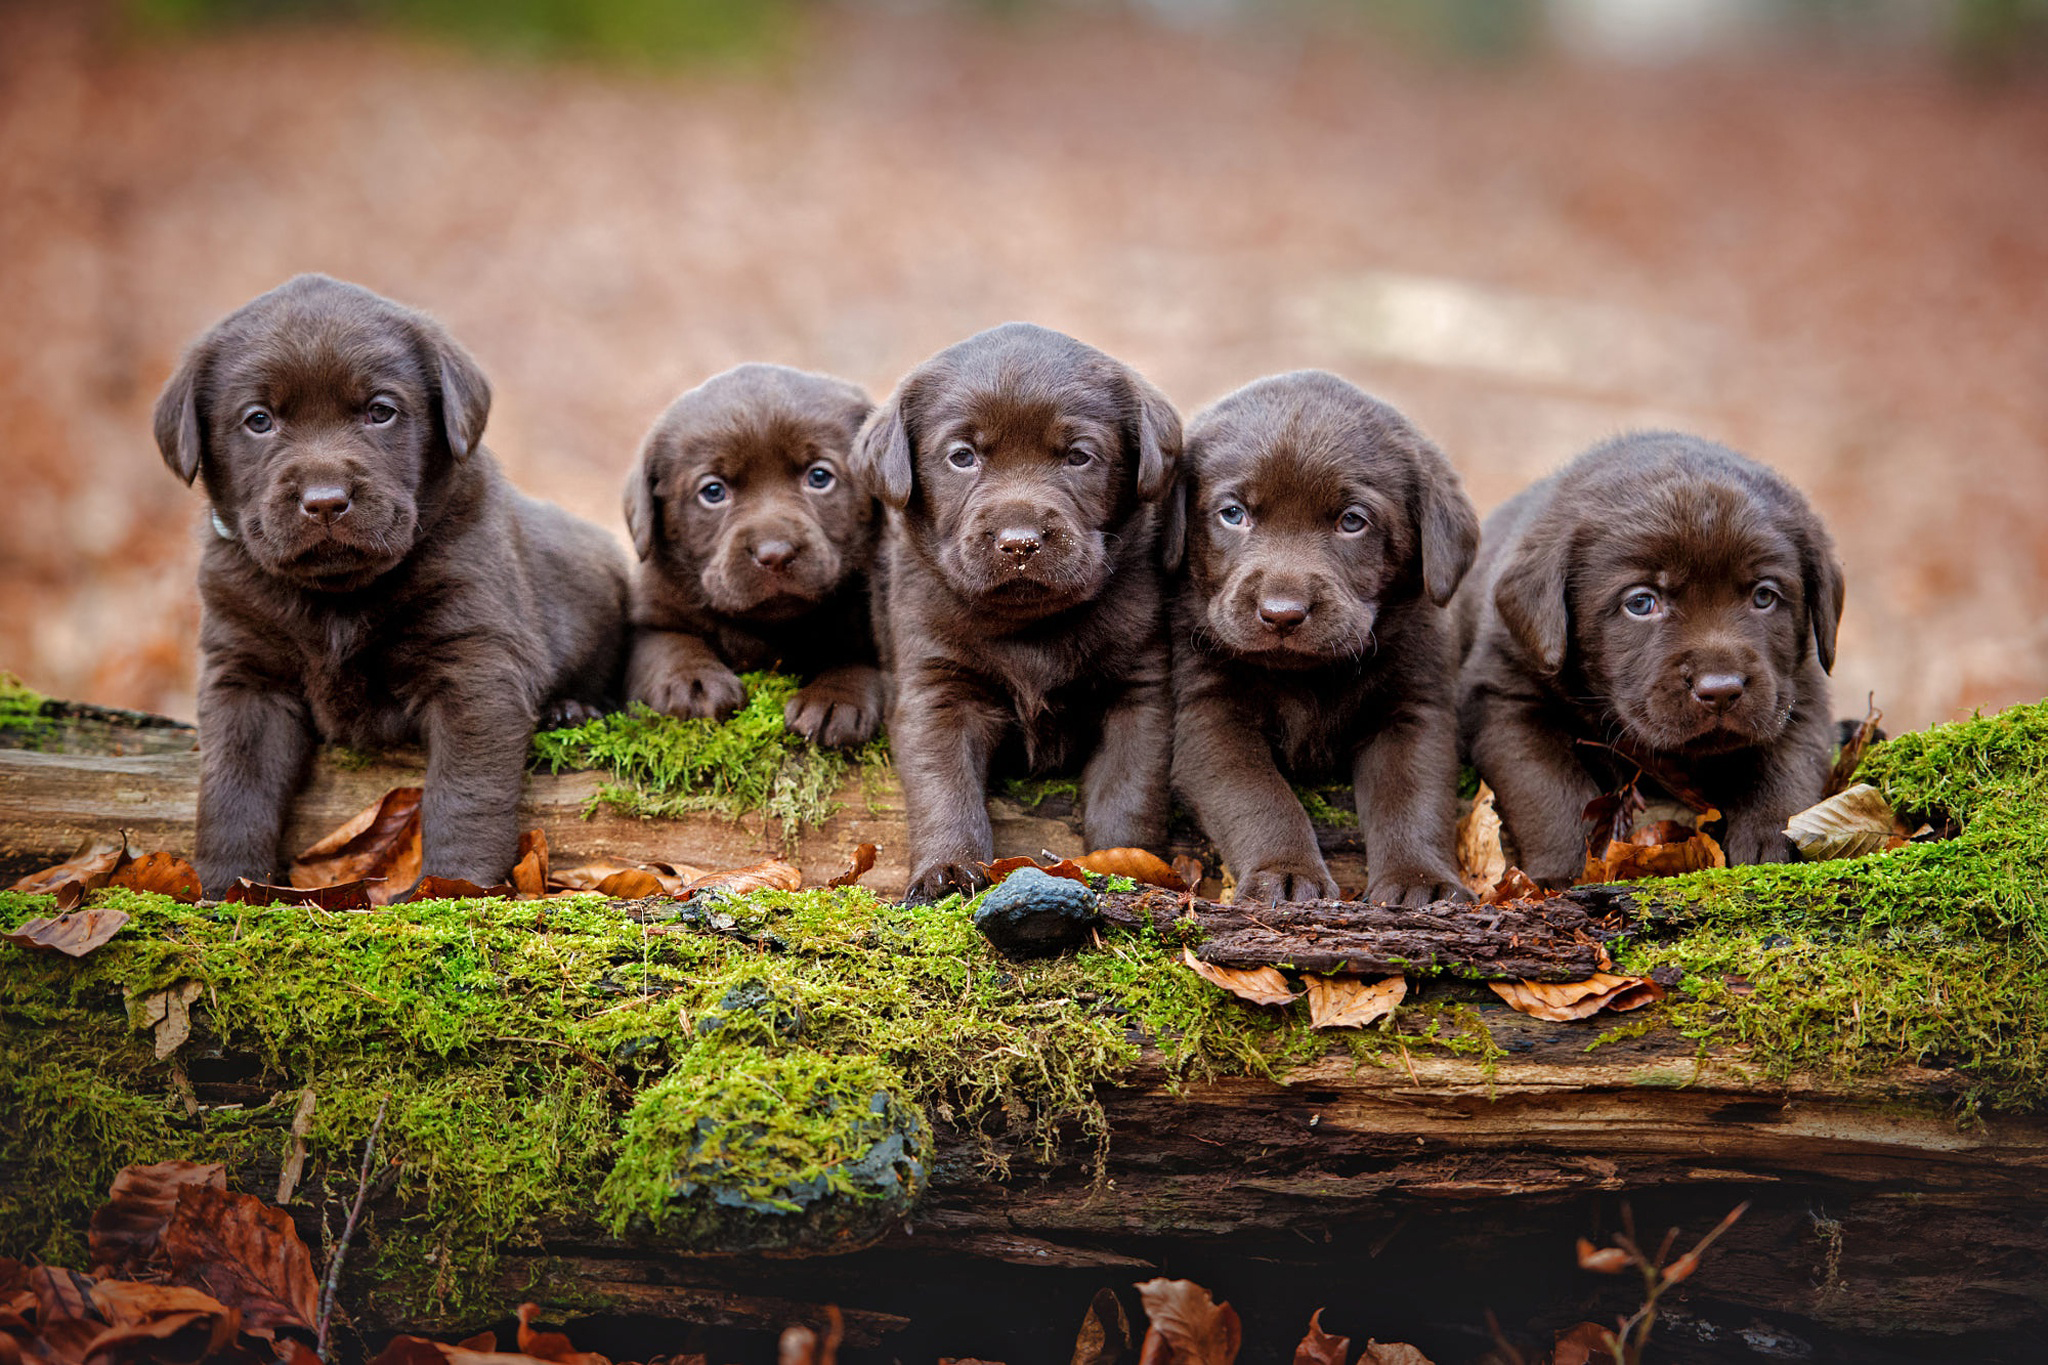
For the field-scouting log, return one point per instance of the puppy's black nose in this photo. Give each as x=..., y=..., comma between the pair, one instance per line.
x=1018, y=542
x=326, y=503
x=1718, y=690
x=1282, y=613
x=774, y=554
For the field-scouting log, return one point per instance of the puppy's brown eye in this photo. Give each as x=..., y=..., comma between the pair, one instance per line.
x=712, y=493
x=1078, y=458
x=258, y=422
x=1764, y=598
x=820, y=477
x=380, y=414
x=961, y=457
x=1352, y=522
x=1642, y=603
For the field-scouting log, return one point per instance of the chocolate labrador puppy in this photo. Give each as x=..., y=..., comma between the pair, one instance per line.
x=1660, y=595
x=370, y=577
x=754, y=544
x=1323, y=536
x=1020, y=603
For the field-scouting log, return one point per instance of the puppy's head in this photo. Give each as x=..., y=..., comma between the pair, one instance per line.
x=1308, y=507
x=744, y=490
x=319, y=415
x=1688, y=585
x=1019, y=457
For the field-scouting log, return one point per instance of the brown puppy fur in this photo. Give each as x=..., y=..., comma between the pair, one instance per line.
x=755, y=542
x=1019, y=597
x=371, y=578
x=1323, y=534
x=1663, y=593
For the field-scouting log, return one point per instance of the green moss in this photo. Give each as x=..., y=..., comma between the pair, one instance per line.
x=750, y=763
x=1329, y=804
x=1033, y=792
x=23, y=711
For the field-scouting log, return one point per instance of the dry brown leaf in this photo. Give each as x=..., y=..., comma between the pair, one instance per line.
x=169, y=1012
x=1135, y=863
x=166, y=874
x=344, y=896
x=66, y=1321
x=246, y=1254
x=1351, y=1001
x=1565, y=1000
x=160, y=1322
x=1868, y=731
x=295, y=1164
x=1105, y=1335
x=1189, y=870
x=1481, y=862
x=862, y=863
x=1260, y=985
x=74, y=933
x=1391, y=1353
x=127, y=1231
x=630, y=884
x=1849, y=824
x=1661, y=848
x=454, y=889
x=1187, y=1327
x=552, y=1346
x=774, y=875
x=86, y=870
x=1514, y=885
x=1060, y=867
x=530, y=872
x=380, y=840
x=1604, y=1260
x=1320, y=1347
x=1585, y=1344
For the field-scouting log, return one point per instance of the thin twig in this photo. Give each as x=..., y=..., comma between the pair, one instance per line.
x=348, y=1230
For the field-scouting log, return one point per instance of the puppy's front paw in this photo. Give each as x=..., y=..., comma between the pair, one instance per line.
x=712, y=692
x=940, y=880
x=836, y=711
x=1756, y=841
x=563, y=712
x=1281, y=885
x=1412, y=888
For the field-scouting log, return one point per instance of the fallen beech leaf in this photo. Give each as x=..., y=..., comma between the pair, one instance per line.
x=160, y=1322
x=1481, y=862
x=1625, y=861
x=630, y=884
x=1260, y=985
x=1585, y=1344
x=87, y=869
x=774, y=875
x=1135, y=863
x=1059, y=867
x=1514, y=885
x=295, y=1164
x=455, y=889
x=380, y=840
x=169, y=1011
x=74, y=933
x=127, y=1231
x=552, y=1346
x=1319, y=1347
x=166, y=874
x=1561, y=1001
x=862, y=863
x=1189, y=870
x=66, y=1321
x=530, y=873
x=1391, y=1353
x=1190, y=1327
x=1105, y=1336
x=1849, y=824
x=246, y=1254
x=1604, y=1260
x=1868, y=731
x=345, y=896
x=1351, y=1001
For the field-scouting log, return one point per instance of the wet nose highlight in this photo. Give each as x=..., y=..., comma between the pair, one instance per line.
x=325, y=503
x=1282, y=613
x=1018, y=542
x=774, y=554
x=1719, y=690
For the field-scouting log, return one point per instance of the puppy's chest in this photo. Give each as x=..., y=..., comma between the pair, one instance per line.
x=353, y=683
x=1315, y=730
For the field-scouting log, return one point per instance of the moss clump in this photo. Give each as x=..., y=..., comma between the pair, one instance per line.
x=751, y=762
x=24, y=712
x=1935, y=954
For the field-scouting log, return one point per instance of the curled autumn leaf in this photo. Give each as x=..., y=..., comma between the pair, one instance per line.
x=1850, y=824
x=774, y=875
x=1481, y=862
x=1605, y=1260
x=164, y=874
x=455, y=889
x=1105, y=1335
x=1351, y=1001
x=858, y=866
x=88, y=869
x=1052, y=867
x=73, y=933
x=126, y=1233
x=669, y=878
x=1514, y=885
x=1658, y=849
x=1587, y=1343
x=1320, y=1347
x=245, y=1253
x=551, y=1346
x=1391, y=1353
x=630, y=884
x=344, y=896
x=530, y=870
x=1187, y=1327
x=1259, y=985
x=1135, y=863
x=380, y=841
x=1561, y=1001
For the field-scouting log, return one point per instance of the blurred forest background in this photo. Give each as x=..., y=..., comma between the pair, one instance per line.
x=1814, y=229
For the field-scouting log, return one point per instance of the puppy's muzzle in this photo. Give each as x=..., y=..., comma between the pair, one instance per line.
x=1718, y=692
x=325, y=503
x=1283, y=614
x=775, y=556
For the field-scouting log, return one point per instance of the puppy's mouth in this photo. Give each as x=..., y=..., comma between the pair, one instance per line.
x=1325, y=635
x=334, y=559
x=1688, y=732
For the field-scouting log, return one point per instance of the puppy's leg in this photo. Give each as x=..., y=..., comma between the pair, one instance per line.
x=1126, y=786
x=1790, y=779
x=1224, y=768
x=1539, y=785
x=476, y=767
x=1405, y=778
x=942, y=731
x=839, y=708
x=254, y=742
x=681, y=675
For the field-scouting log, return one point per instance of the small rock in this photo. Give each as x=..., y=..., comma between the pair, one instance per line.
x=1032, y=914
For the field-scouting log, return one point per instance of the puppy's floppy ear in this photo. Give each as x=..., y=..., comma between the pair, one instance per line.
x=1446, y=523
x=882, y=456
x=464, y=392
x=1532, y=595
x=1173, y=530
x=1158, y=438
x=643, y=514
x=178, y=433
x=1825, y=588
